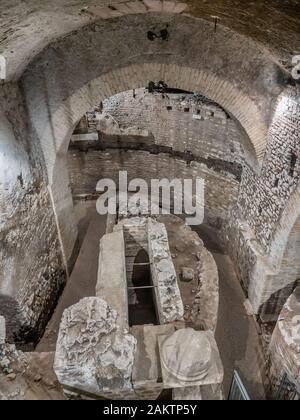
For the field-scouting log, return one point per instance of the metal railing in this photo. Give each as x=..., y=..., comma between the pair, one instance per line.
x=238, y=391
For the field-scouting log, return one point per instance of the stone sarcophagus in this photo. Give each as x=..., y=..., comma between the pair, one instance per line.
x=102, y=353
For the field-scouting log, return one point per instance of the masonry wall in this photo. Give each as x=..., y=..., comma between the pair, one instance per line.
x=255, y=219
x=86, y=168
x=263, y=199
x=185, y=122
x=30, y=263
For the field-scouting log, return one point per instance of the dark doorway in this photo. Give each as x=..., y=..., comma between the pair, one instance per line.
x=143, y=311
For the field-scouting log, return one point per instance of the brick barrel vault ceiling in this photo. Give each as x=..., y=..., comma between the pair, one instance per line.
x=27, y=27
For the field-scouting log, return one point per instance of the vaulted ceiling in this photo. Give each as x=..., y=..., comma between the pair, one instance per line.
x=27, y=27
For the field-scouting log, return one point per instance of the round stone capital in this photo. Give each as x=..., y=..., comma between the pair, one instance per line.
x=187, y=355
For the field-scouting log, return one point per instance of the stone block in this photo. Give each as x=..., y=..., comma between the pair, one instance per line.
x=198, y=393
x=94, y=356
x=147, y=370
x=187, y=274
x=191, y=393
x=111, y=282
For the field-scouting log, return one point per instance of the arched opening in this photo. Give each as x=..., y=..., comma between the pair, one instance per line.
x=56, y=107
x=141, y=297
x=139, y=141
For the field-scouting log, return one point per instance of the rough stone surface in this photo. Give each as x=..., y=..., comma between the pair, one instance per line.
x=27, y=376
x=92, y=355
x=183, y=122
x=200, y=296
x=204, y=313
x=187, y=274
x=170, y=306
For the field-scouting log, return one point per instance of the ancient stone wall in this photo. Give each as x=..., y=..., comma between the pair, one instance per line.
x=30, y=259
x=262, y=199
x=184, y=122
x=258, y=232
x=87, y=168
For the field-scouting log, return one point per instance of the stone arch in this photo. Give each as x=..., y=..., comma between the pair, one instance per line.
x=109, y=65
x=66, y=117
x=63, y=121
x=57, y=93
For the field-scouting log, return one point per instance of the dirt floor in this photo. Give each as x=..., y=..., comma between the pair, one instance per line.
x=237, y=333
x=83, y=279
x=33, y=379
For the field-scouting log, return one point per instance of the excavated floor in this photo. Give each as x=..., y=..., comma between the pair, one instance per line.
x=237, y=334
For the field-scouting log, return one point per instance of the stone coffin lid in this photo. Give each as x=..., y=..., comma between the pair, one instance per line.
x=111, y=281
